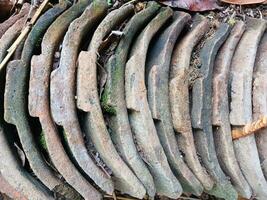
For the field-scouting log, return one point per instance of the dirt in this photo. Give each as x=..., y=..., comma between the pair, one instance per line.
x=237, y=12
x=195, y=63
x=65, y=192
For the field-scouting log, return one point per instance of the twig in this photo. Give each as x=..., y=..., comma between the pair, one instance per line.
x=114, y=196
x=23, y=34
x=260, y=12
x=39, y=12
x=250, y=128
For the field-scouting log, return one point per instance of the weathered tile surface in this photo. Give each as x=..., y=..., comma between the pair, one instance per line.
x=163, y=124
x=140, y=116
x=9, y=190
x=16, y=91
x=15, y=175
x=179, y=98
x=39, y=106
x=9, y=37
x=201, y=115
x=260, y=99
x=158, y=63
x=88, y=100
x=4, y=26
x=241, y=105
x=62, y=90
x=220, y=115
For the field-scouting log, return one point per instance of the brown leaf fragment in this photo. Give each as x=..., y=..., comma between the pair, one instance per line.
x=192, y=5
x=244, y=2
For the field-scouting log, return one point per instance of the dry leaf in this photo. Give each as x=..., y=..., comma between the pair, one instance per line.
x=5, y=8
x=192, y=5
x=244, y=2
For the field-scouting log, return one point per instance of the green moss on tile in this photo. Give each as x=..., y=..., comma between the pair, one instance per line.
x=42, y=141
x=105, y=106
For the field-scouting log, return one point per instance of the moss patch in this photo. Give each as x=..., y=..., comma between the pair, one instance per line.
x=105, y=106
x=42, y=141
